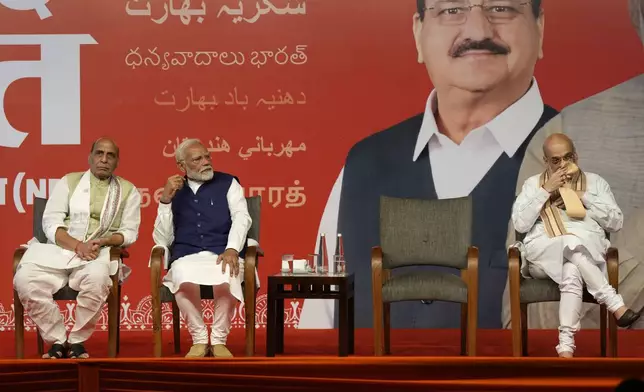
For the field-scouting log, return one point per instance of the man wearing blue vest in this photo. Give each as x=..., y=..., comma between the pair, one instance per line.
x=203, y=217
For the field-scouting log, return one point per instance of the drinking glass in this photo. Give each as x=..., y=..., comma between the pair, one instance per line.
x=340, y=265
x=287, y=264
x=318, y=264
x=314, y=261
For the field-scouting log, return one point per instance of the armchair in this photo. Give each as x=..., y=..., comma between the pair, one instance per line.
x=66, y=293
x=425, y=233
x=526, y=291
x=161, y=294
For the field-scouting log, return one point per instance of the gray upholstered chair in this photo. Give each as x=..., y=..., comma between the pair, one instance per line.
x=425, y=233
x=66, y=293
x=161, y=294
x=529, y=291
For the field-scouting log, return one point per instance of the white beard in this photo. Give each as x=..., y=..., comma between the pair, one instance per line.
x=201, y=177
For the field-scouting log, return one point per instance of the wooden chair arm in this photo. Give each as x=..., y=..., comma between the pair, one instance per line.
x=471, y=274
x=514, y=277
x=473, y=259
x=17, y=257
x=514, y=262
x=376, y=259
x=250, y=259
x=612, y=266
x=156, y=260
x=376, y=265
x=378, y=277
x=118, y=253
x=250, y=264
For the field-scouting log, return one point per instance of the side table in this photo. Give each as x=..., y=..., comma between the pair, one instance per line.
x=283, y=286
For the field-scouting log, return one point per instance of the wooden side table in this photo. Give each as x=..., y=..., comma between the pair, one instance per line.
x=283, y=286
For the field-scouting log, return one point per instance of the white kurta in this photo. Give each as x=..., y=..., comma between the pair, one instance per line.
x=77, y=208
x=584, y=235
x=46, y=268
x=201, y=268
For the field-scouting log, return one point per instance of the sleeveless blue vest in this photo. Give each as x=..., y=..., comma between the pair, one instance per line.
x=202, y=220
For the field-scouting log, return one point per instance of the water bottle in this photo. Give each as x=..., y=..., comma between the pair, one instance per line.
x=322, y=266
x=339, y=263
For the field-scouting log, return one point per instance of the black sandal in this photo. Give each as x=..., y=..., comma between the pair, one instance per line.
x=57, y=351
x=77, y=351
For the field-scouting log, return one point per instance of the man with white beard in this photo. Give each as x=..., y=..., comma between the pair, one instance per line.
x=205, y=224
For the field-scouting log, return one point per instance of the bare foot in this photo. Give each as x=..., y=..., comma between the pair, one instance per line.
x=565, y=354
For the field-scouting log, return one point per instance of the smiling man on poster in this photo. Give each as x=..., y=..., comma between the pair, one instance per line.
x=486, y=105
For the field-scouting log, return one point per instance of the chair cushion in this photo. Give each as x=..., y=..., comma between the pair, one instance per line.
x=206, y=293
x=425, y=285
x=544, y=290
x=66, y=294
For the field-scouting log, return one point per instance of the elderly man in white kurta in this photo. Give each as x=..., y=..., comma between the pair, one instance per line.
x=567, y=247
x=204, y=218
x=86, y=214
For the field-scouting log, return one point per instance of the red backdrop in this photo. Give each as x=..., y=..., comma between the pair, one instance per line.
x=350, y=70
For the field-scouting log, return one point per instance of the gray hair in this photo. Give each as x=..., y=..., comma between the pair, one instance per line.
x=180, y=153
x=636, y=8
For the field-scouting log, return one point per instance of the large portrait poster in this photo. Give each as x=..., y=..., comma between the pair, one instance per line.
x=279, y=90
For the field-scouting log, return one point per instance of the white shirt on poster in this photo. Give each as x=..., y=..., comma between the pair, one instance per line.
x=456, y=168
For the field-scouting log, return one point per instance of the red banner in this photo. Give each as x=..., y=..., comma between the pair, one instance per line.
x=278, y=90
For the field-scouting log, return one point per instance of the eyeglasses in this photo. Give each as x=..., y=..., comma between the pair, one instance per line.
x=456, y=12
x=566, y=158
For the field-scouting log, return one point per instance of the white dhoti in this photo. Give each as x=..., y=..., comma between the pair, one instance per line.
x=85, y=211
x=570, y=263
x=53, y=256
x=36, y=285
x=183, y=279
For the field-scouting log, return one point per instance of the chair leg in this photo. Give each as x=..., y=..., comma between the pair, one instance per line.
x=603, y=313
x=472, y=304
x=113, y=317
x=378, y=305
x=378, y=345
x=176, y=326
x=40, y=343
x=472, y=325
x=19, y=326
x=157, y=328
x=524, y=330
x=612, y=336
x=118, y=330
x=463, y=329
x=516, y=320
x=386, y=321
x=250, y=303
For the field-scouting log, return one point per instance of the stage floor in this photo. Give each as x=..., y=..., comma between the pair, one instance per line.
x=424, y=360
x=414, y=342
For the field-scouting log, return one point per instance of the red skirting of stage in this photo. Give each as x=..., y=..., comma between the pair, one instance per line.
x=422, y=360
